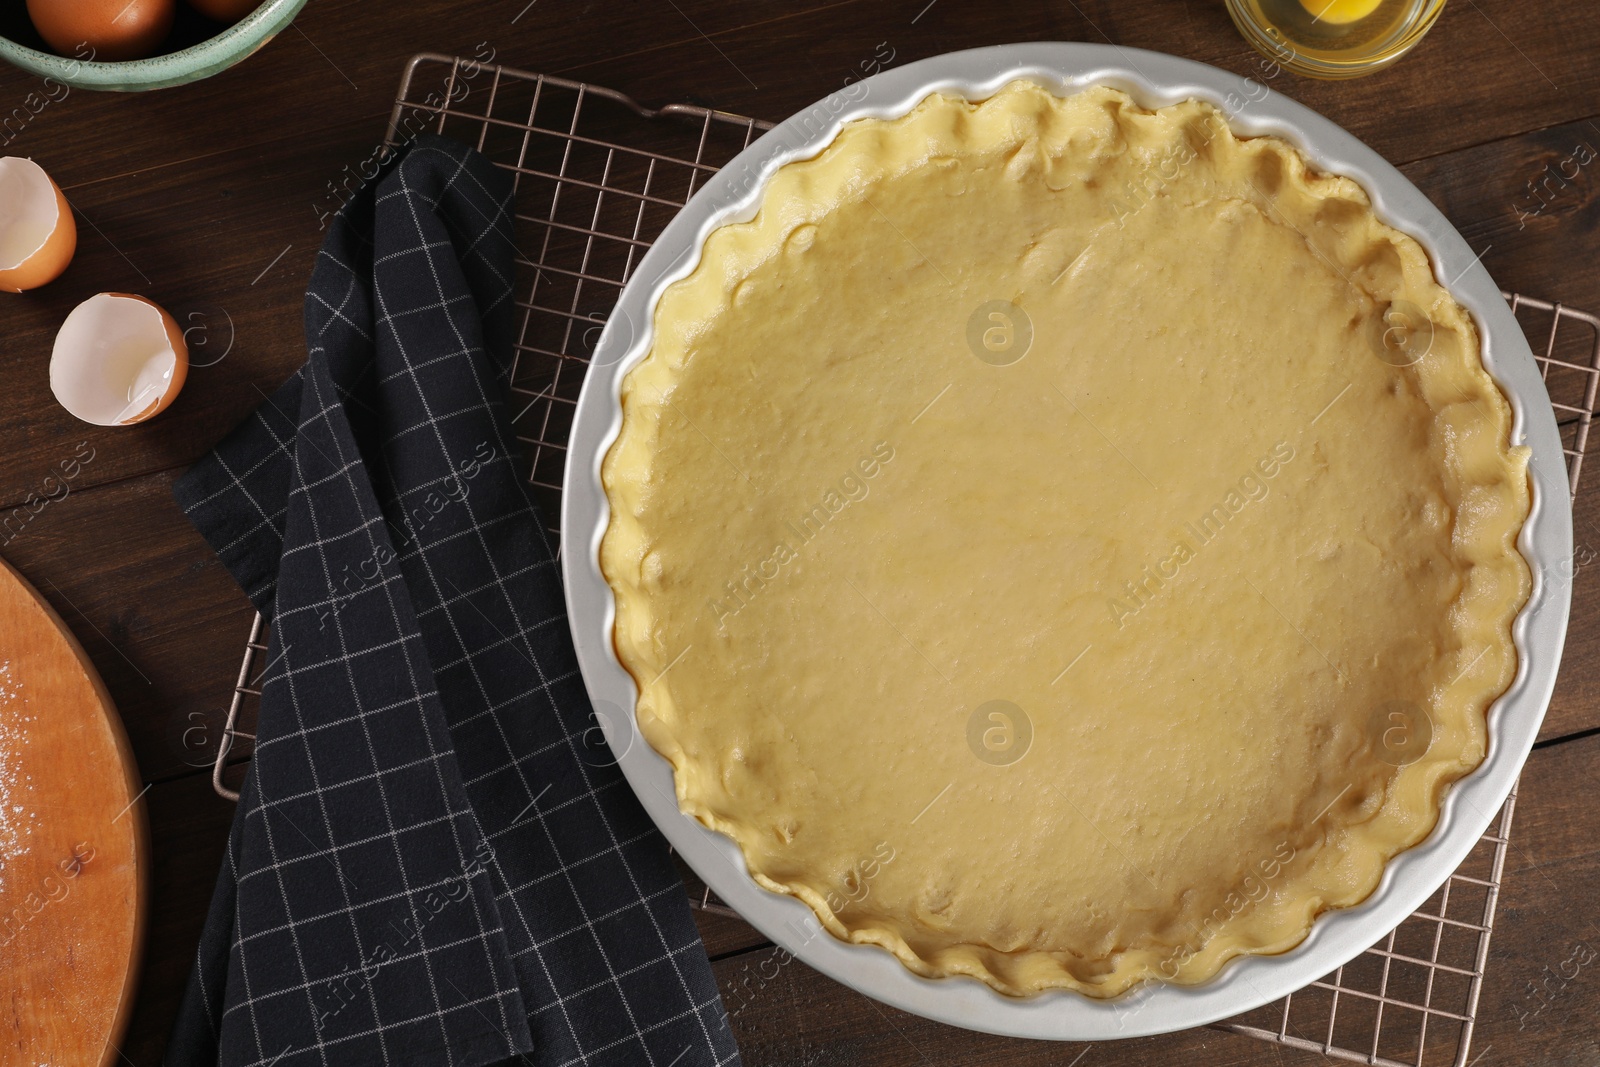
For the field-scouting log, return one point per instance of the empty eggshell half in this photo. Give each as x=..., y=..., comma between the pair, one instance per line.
x=37, y=234
x=118, y=360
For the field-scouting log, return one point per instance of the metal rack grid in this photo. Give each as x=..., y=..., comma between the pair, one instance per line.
x=598, y=177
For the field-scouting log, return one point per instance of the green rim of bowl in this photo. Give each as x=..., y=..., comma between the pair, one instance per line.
x=175, y=68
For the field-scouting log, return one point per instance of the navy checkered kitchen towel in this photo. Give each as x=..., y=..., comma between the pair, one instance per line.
x=429, y=864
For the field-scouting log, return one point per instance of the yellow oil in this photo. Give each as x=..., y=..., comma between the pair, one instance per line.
x=1338, y=32
x=1340, y=12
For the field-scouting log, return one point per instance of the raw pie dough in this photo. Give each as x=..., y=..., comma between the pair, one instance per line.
x=1243, y=584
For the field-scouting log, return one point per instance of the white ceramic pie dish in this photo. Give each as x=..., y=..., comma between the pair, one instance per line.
x=1153, y=80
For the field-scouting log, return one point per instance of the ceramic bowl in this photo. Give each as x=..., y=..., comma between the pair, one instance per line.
x=197, y=61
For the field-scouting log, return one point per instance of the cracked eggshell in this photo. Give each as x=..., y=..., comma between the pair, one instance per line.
x=37, y=233
x=118, y=360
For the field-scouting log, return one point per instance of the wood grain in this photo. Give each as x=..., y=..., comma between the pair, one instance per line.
x=1543, y=1003
x=73, y=845
x=189, y=826
x=190, y=195
x=157, y=612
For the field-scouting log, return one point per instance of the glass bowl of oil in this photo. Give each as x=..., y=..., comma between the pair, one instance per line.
x=1334, y=38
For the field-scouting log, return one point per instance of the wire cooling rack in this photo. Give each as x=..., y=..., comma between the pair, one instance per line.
x=598, y=177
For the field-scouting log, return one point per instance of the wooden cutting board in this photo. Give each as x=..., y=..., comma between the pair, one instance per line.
x=73, y=846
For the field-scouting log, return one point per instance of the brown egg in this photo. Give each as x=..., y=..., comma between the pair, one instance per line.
x=229, y=11
x=114, y=29
x=118, y=360
x=37, y=234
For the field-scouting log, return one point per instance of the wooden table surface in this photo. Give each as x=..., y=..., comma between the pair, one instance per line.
x=207, y=198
